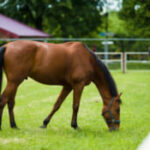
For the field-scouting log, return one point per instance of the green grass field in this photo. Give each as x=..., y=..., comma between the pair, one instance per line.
x=34, y=101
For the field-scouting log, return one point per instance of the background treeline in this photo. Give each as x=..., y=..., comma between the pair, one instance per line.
x=82, y=18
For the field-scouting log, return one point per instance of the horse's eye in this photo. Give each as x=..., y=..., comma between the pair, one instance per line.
x=118, y=110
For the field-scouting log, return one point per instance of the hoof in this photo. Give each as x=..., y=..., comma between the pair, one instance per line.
x=74, y=125
x=43, y=126
x=15, y=127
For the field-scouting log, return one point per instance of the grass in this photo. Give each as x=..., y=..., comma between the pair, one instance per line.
x=34, y=101
x=137, y=66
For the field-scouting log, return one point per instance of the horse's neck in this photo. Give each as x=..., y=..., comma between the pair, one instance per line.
x=103, y=88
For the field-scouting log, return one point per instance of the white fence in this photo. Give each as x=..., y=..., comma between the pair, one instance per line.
x=114, y=60
x=124, y=62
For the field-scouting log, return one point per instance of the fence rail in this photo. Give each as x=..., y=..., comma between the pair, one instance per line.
x=77, y=39
x=124, y=61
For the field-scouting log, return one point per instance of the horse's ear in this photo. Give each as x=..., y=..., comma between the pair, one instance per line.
x=120, y=94
x=118, y=98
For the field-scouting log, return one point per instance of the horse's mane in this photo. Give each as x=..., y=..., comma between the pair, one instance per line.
x=107, y=75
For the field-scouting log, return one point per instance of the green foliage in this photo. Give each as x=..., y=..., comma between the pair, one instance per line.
x=34, y=101
x=61, y=18
x=137, y=17
x=117, y=25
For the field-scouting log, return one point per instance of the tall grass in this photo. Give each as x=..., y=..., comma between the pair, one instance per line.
x=34, y=101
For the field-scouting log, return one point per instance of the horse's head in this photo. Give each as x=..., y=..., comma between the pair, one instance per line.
x=111, y=113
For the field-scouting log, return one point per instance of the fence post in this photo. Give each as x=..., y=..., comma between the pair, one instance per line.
x=124, y=67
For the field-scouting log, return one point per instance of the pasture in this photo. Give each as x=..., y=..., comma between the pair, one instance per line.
x=34, y=101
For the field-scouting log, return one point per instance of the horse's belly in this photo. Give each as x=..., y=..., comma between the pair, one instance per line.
x=48, y=78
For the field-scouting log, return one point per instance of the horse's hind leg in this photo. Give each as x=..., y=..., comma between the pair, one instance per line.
x=8, y=97
x=11, y=104
x=64, y=93
x=1, y=110
x=78, y=88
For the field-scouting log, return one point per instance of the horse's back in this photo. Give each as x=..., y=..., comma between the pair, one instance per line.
x=62, y=63
x=47, y=62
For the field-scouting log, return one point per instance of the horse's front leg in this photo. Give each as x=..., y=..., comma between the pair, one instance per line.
x=78, y=88
x=64, y=93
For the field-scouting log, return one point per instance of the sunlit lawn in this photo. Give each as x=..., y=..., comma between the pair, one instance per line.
x=34, y=101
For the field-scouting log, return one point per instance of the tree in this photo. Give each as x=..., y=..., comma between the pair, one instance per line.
x=61, y=18
x=137, y=17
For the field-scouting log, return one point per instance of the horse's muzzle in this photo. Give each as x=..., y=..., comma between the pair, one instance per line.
x=113, y=129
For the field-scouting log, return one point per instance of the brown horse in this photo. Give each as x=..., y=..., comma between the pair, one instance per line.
x=70, y=64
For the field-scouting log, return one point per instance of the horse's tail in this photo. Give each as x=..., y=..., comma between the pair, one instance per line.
x=2, y=50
